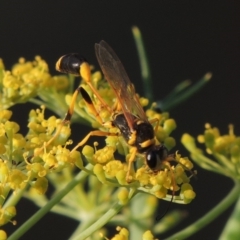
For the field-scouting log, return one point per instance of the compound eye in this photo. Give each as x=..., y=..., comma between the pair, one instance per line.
x=155, y=156
x=152, y=159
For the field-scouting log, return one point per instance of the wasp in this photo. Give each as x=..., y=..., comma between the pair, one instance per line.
x=127, y=114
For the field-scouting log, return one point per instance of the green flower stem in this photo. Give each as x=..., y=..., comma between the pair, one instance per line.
x=15, y=197
x=100, y=222
x=210, y=216
x=4, y=195
x=80, y=234
x=231, y=229
x=43, y=211
x=181, y=93
x=145, y=68
x=182, y=86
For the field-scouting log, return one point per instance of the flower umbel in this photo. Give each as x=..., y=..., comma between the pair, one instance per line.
x=225, y=150
x=45, y=155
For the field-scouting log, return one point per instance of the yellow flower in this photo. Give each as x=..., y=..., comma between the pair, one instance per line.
x=224, y=149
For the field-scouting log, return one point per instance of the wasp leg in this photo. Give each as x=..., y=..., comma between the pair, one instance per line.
x=93, y=133
x=133, y=152
x=85, y=73
x=69, y=114
x=172, y=157
x=66, y=120
x=90, y=105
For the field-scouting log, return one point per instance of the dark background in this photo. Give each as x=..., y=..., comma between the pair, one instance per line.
x=184, y=40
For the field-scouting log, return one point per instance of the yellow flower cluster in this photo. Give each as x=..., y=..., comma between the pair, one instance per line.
x=27, y=80
x=225, y=150
x=26, y=161
x=124, y=235
x=112, y=171
x=172, y=176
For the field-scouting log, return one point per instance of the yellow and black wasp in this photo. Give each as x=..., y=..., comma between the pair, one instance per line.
x=127, y=114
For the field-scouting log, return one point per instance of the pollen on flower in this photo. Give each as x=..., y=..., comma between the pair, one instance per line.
x=3, y=235
x=44, y=152
x=122, y=235
x=235, y=154
x=160, y=178
x=18, y=141
x=17, y=179
x=42, y=130
x=63, y=155
x=223, y=148
x=75, y=157
x=159, y=192
x=161, y=134
x=144, y=101
x=4, y=171
x=151, y=114
x=121, y=177
x=112, y=141
x=112, y=168
x=88, y=153
x=186, y=162
x=123, y=196
x=189, y=142
x=98, y=170
x=2, y=148
x=104, y=155
x=50, y=161
x=41, y=185
x=5, y=115
x=12, y=127
x=169, y=125
x=148, y=235
x=21, y=67
x=61, y=82
x=187, y=192
x=6, y=214
x=142, y=176
x=169, y=142
x=189, y=195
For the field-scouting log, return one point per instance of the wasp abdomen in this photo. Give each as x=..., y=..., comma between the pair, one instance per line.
x=120, y=122
x=70, y=63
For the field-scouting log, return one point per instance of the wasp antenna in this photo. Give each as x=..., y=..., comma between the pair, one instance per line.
x=159, y=217
x=173, y=193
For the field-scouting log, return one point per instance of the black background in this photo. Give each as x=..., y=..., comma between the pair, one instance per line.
x=184, y=40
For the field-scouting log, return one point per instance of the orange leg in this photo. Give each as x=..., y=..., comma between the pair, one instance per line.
x=133, y=152
x=93, y=133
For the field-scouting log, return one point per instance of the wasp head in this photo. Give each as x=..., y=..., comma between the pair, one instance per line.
x=155, y=156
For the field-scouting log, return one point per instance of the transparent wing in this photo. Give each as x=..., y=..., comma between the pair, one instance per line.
x=119, y=81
